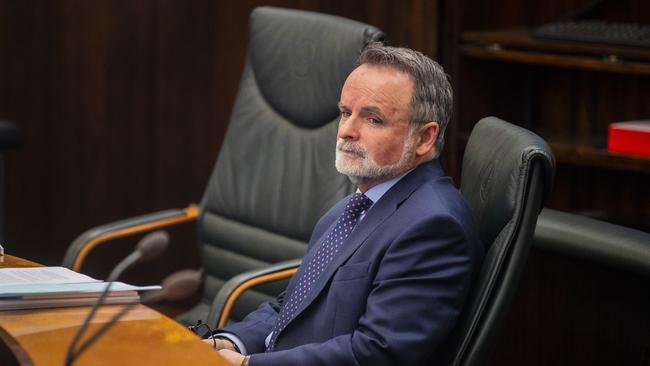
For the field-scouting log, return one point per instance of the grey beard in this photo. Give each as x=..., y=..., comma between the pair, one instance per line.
x=369, y=171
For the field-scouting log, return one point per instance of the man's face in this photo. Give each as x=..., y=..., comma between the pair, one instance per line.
x=374, y=140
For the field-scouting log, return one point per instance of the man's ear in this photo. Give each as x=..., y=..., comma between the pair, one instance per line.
x=426, y=138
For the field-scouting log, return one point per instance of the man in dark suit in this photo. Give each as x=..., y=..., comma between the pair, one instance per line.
x=388, y=268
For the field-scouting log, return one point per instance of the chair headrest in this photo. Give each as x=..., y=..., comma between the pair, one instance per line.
x=497, y=164
x=296, y=59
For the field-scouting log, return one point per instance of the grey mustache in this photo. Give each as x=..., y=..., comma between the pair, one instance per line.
x=350, y=147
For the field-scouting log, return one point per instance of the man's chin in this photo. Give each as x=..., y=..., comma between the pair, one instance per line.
x=350, y=172
x=357, y=176
x=346, y=165
x=347, y=172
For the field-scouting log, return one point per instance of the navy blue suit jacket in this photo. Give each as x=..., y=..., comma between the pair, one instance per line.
x=394, y=290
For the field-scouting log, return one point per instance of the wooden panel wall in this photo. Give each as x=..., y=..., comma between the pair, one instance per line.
x=105, y=94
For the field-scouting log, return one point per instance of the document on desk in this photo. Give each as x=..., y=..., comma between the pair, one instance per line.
x=40, y=287
x=41, y=275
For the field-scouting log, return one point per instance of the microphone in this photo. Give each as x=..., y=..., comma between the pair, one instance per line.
x=176, y=286
x=147, y=248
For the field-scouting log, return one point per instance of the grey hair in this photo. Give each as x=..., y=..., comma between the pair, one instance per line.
x=432, y=94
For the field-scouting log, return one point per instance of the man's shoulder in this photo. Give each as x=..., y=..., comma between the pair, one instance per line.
x=439, y=194
x=437, y=208
x=438, y=198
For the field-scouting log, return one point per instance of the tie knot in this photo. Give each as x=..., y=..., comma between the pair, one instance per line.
x=358, y=203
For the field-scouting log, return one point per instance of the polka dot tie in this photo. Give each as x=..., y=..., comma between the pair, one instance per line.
x=328, y=248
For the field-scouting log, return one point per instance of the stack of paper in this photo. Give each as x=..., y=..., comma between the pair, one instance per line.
x=42, y=287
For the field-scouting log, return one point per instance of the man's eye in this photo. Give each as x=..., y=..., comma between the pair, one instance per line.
x=345, y=114
x=375, y=121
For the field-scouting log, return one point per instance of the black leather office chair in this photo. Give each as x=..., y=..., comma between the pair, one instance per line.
x=275, y=174
x=506, y=174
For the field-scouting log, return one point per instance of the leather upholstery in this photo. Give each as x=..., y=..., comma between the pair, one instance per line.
x=275, y=173
x=593, y=240
x=507, y=171
x=495, y=171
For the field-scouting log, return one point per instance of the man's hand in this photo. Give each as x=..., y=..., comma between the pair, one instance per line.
x=232, y=357
x=221, y=344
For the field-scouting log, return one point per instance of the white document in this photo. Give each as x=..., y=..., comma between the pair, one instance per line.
x=45, y=287
x=36, y=290
x=18, y=304
x=41, y=275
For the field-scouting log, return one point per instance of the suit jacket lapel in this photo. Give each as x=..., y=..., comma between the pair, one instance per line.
x=377, y=214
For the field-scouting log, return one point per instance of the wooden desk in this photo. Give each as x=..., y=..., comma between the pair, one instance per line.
x=142, y=337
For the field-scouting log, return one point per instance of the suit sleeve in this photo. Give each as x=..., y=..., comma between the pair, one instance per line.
x=416, y=297
x=256, y=326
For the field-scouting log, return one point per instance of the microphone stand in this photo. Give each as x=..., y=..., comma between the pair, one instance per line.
x=150, y=246
x=176, y=286
x=127, y=262
x=105, y=327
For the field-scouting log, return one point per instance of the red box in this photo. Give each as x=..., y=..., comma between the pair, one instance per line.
x=631, y=137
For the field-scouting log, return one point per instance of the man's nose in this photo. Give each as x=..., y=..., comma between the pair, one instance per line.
x=348, y=128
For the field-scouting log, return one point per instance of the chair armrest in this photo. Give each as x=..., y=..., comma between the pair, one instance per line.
x=593, y=240
x=236, y=286
x=90, y=239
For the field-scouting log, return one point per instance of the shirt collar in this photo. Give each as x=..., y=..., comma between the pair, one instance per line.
x=376, y=192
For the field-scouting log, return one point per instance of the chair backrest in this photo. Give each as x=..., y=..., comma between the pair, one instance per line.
x=275, y=174
x=507, y=172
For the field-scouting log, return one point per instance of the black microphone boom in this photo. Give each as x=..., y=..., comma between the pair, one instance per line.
x=147, y=248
